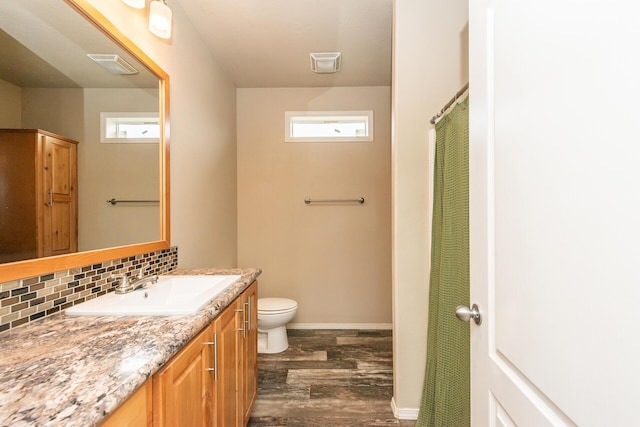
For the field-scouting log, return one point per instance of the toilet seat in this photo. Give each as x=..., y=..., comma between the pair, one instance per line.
x=270, y=306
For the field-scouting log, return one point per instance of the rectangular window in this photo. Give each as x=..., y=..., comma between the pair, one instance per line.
x=328, y=126
x=129, y=128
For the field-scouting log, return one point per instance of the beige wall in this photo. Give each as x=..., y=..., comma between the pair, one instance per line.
x=333, y=260
x=121, y=171
x=203, y=153
x=430, y=65
x=60, y=111
x=10, y=104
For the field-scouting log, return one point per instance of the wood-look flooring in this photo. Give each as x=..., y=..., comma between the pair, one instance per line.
x=327, y=378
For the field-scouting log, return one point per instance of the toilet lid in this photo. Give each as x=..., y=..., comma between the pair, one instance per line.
x=276, y=304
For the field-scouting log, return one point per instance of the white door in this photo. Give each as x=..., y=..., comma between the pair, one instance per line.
x=555, y=212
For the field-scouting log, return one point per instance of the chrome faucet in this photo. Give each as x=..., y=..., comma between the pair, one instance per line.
x=128, y=284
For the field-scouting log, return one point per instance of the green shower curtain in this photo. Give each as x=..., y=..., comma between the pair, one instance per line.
x=445, y=396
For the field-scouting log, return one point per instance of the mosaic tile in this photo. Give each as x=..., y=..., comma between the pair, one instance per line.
x=67, y=287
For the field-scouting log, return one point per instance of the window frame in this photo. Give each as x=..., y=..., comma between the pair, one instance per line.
x=289, y=116
x=104, y=116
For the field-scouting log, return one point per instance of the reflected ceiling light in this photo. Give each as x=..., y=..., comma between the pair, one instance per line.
x=136, y=4
x=160, y=19
x=113, y=63
x=325, y=63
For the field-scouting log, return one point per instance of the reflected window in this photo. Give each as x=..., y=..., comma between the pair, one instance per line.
x=129, y=128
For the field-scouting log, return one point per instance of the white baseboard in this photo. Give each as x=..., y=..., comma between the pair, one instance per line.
x=339, y=326
x=404, y=413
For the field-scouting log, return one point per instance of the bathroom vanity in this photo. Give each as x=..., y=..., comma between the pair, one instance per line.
x=136, y=370
x=211, y=381
x=79, y=371
x=219, y=365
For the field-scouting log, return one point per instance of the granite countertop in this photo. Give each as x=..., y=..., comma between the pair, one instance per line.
x=73, y=371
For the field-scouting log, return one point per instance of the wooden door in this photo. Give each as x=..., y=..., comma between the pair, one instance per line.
x=228, y=328
x=250, y=349
x=60, y=231
x=183, y=389
x=555, y=202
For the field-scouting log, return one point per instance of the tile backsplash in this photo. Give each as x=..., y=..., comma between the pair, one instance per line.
x=32, y=298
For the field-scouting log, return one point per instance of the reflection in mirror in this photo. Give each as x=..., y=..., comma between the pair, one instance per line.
x=50, y=86
x=48, y=82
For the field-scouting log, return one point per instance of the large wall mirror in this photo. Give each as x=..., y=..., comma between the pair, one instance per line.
x=48, y=82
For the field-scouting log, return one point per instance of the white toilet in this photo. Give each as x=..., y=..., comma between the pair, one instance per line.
x=273, y=315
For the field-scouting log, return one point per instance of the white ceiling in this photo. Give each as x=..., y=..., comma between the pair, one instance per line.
x=266, y=43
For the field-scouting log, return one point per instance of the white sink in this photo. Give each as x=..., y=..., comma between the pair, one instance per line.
x=170, y=295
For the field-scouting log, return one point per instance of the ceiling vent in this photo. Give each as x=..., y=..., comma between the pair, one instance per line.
x=325, y=63
x=113, y=63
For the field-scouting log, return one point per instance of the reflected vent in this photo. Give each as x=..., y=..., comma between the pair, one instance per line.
x=113, y=63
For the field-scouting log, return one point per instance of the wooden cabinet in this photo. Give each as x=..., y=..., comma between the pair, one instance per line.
x=135, y=411
x=39, y=201
x=60, y=204
x=237, y=383
x=228, y=385
x=250, y=350
x=183, y=389
x=212, y=381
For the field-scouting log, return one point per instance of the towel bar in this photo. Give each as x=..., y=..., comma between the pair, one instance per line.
x=115, y=202
x=308, y=200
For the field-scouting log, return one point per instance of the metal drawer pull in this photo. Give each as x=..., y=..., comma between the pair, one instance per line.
x=243, y=329
x=247, y=318
x=215, y=356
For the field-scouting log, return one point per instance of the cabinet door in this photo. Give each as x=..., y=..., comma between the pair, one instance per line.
x=134, y=412
x=228, y=327
x=250, y=301
x=182, y=390
x=60, y=231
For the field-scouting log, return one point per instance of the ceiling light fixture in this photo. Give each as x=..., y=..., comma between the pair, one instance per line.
x=113, y=63
x=160, y=19
x=325, y=63
x=136, y=4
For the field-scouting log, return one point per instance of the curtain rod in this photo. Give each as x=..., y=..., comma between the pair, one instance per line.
x=448, y=104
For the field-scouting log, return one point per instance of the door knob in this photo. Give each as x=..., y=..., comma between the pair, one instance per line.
x=465, y=314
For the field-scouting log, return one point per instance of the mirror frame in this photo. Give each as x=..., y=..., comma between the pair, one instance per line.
x=34, y=267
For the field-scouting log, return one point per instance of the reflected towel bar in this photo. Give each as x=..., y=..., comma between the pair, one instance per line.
x=115, y=202
x=360, y=201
